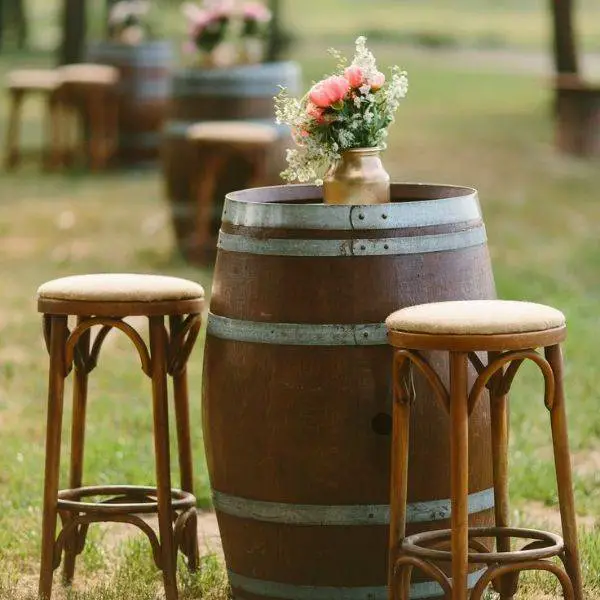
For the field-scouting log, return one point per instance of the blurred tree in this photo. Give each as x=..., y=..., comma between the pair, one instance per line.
x=565, y=47
x=74, y=32
x=13, y=21
x=279, y=38
x=1, y=24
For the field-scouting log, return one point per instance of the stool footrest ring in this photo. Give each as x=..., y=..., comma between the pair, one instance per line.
x=124, y=499
x=544, y=545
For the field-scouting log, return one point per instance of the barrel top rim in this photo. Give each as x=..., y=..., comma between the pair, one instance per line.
x=236, y=69
x=296, y=195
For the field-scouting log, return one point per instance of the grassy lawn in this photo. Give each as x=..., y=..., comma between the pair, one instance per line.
x=485, y=129
x=477, y=23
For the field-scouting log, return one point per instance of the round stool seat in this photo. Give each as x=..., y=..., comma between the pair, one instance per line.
x=119, y=294
x=88, y=73
x=232, y=132
x=475, y=317
x=476, y=325
x=32, y=79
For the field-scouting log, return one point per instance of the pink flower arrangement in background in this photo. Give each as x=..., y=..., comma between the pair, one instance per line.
x=352, y=108
x=217, y=20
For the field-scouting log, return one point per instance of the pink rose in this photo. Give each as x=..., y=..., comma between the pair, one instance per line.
x=314, y=111
x=354, y=75
x=377, y=81
x=330, y=91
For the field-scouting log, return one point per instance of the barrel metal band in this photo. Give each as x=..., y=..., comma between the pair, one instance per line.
x=345, y=514
x=353, y=247
x=287, y=591
x=397, y=215
x=296, y=334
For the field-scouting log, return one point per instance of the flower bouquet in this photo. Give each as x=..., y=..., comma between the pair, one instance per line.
x=225, y=34
x=340, y=126
x=127, y=21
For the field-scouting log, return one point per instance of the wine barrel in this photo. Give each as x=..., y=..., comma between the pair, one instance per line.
x=577, y=116
x=144, y=92
x=297, y=384
x=243, y=92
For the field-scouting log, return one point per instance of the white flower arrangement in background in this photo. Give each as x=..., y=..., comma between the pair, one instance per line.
x=352, y=108
x=127, y=21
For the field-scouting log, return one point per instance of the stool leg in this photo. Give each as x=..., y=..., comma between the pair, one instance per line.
x=158, y=351
x=80, y=387
x=564, y=478
x=96, y=124
x=459, y=473
x=184, y=445
x=12, y=158
x=211, y=162
x=56, y=382
x=500, y=427
x=397, y=586
x=258, y=159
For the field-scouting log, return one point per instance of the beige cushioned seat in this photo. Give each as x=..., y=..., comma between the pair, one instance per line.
x=230, y=131
x=475, y=317
x=120, y=287
x=88, y=73
x=32, y=79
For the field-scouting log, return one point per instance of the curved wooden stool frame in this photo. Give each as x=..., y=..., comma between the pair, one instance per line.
x=506, y=353
x=212, y=157
x=166, y=354
x=81, y=105
x=17, y=94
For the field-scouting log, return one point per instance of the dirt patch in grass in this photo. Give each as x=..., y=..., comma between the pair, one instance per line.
x=587, y=463
x=546, y=516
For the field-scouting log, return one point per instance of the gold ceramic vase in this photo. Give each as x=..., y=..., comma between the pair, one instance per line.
x=358, y=177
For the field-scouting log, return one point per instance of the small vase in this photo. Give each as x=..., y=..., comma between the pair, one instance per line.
x=358, y=177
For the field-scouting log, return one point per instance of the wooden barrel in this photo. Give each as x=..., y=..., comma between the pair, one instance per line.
x=145, y=86
x=577, y=116
x=297, y=384
x=242, y=92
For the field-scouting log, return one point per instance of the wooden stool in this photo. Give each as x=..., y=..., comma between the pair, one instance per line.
x=105, y=300
x=87, y=93
x=19, y=84
x=509, y=332
x=215, y=142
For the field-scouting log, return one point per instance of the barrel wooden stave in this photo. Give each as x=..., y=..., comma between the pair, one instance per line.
x=144, y=88
x=240, y=93
x=312, y=430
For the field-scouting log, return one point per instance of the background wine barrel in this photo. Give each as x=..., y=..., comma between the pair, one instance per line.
x=145, y=86
x=237, y=93
x=577, y=116
x=297, y=384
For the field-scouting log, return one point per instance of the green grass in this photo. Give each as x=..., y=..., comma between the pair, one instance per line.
x=474, y=23
x=486, y=129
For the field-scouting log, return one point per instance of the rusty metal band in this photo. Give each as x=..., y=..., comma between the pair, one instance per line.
x=346, y=514
x=362, y=247
x=424, y=213
x=287, y=591
x=154, y=54
x=297, y=334
x=247, y=81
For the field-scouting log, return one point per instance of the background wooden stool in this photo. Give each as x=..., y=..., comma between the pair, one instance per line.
x=19, y=84
x=104, y=301
x=87, y=105
x=214, y=143
x=509, y=332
